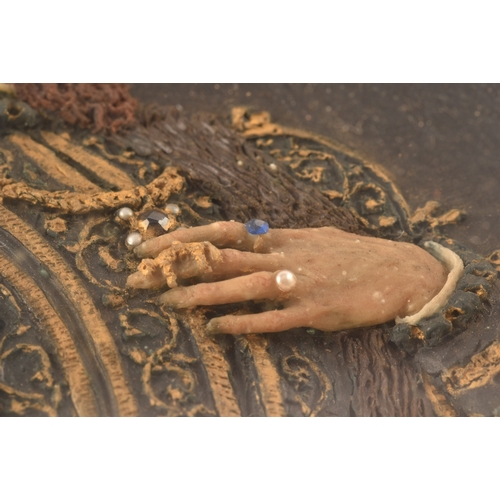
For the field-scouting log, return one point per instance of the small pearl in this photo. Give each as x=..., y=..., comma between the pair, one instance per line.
x=125, y=213
x=173, y=209
x=133, y=239
x=286, y=280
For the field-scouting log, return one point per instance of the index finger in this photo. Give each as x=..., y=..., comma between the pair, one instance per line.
x=221, y=234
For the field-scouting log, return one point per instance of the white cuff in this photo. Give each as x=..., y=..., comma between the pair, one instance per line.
x=455, y=268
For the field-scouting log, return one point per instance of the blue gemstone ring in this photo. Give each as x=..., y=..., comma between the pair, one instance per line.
x=257, y=226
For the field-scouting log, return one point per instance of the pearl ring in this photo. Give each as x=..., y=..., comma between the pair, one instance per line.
x=285, y=280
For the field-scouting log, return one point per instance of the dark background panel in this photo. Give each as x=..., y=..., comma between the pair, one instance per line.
x=438, y=141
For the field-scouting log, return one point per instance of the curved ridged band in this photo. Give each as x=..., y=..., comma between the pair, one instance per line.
x=123, y=402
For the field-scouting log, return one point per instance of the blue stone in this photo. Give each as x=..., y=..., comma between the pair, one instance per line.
x=257, y=226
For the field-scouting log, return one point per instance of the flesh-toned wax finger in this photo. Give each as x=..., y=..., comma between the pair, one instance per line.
x=254, y=286
x=235, y=263
x=266, y=322
x=220, y=234
x=227, y=263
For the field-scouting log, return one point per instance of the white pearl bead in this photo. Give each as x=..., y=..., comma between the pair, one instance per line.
x=173, y=209
x=286, y=280
x=125, y=213
x=133, y=239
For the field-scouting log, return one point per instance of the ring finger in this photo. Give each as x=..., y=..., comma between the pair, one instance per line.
x=256, y=286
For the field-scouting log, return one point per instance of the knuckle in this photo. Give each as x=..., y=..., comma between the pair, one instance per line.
x=224, y=225
x=187, y=294
x=232, y=255
x=261, y=279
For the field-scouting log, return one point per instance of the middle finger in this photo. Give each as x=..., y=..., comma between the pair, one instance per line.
x=221, y=264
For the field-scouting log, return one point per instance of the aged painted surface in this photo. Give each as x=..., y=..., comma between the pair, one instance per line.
x=74, y=341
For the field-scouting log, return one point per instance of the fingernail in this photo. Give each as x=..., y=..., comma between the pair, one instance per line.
x=140, y=250
x=130, y=282
x=175, y=298
x=136, y=280
x=212, y=327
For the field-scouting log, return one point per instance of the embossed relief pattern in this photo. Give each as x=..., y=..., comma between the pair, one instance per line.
x=152, y=353
x=107, y=351
x=31, y=379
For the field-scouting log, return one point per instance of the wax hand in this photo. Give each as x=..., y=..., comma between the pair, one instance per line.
x=342, y=280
